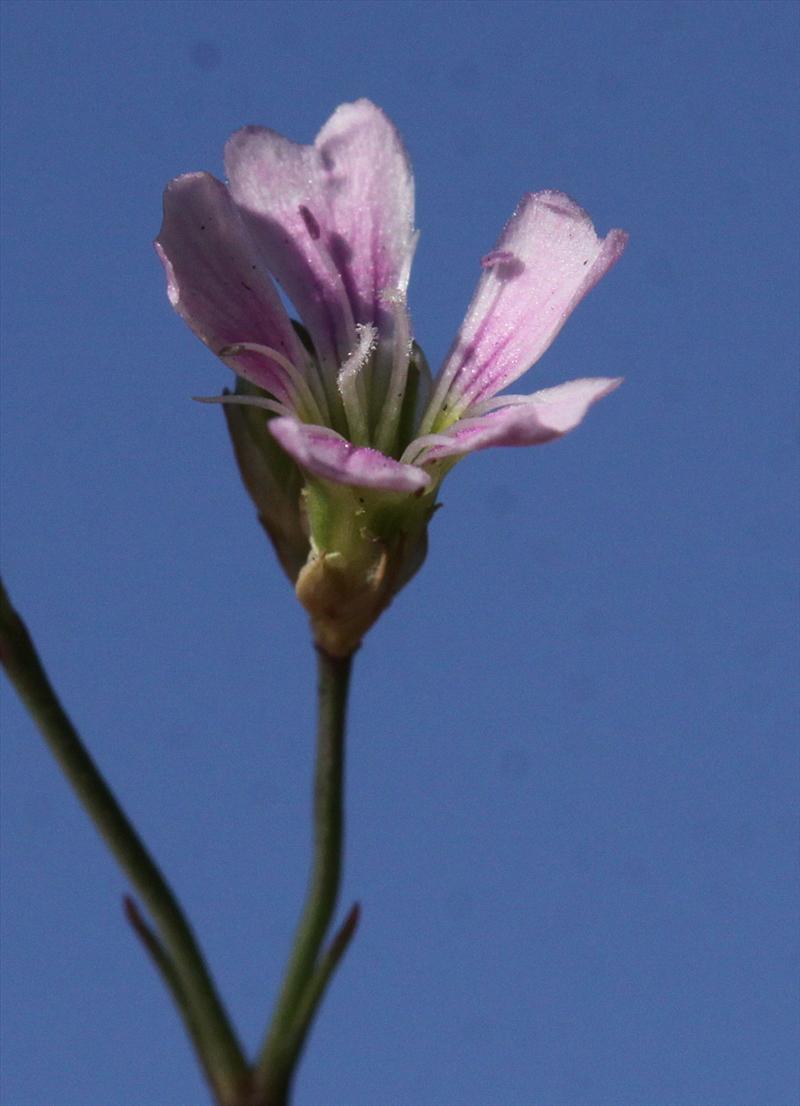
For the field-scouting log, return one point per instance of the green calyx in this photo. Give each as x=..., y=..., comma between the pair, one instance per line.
x=365, y=546
x=272, y=479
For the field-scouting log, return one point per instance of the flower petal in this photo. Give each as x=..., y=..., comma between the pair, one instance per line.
x=524, y=420
x=325, y=453
x=334, y=220
x=546, y=260
x=215, y=281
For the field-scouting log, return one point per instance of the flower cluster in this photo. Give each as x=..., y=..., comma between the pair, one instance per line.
x=342, y=435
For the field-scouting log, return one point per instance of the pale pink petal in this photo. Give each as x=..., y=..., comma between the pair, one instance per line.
x=546, y=260
x=325, y=453
x=334, y=220
x=524, y=420
x=215, y=281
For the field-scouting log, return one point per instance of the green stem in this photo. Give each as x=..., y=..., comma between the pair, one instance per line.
x=315, y=989
x=166, y=969
x=308, y=971
x=222, y=1055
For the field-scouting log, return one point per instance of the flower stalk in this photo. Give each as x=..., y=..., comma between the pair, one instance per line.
x=310, y=968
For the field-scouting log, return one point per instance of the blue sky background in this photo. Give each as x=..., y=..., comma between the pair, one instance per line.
x=573, y=764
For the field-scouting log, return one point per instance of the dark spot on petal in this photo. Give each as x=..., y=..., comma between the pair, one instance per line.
x=311, y=224
x=340, y=250
x=247, y=286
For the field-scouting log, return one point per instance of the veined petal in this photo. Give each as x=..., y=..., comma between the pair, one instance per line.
x=325, y=453
x=521, y=420
x=334, y=220
x=216, y=283
x=546, y=260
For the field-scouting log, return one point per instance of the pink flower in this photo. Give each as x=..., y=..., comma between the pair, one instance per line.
x=349, y=397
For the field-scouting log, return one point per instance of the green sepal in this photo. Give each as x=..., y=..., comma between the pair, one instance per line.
x=365, y=546
x=272, y=479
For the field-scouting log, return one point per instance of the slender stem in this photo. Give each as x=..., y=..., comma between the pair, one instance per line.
x=222, y=1054
x=166, y=969
x=296, y=1003
x=312, y=995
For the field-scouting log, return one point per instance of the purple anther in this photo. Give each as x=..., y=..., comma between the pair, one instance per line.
x=497, y=257
x=311, y=224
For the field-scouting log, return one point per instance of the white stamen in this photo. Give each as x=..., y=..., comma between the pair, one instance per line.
x=298, y=391
x=405, y=272
x=250, y=401
x=452, y=394
x=351, y=385
x=419, y=445
x=401, y=357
